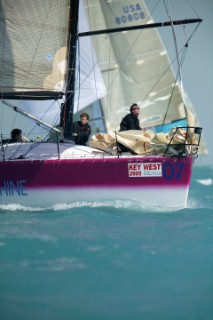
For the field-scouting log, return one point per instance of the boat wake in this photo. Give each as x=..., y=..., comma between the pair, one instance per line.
x=124, y=205
x=199, y=204
x=137, y=206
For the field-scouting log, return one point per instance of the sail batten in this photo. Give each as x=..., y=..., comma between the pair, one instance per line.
x=32, y=95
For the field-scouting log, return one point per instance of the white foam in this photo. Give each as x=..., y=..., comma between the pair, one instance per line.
x=117, y=204
x=16, y=207
x=205, y=182
x=114, y=203
x=193, y=203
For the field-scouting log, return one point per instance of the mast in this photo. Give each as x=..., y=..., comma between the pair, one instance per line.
x=72, y=41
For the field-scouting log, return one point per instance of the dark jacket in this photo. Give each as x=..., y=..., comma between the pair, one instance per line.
x=83, y=133
x=130, y=122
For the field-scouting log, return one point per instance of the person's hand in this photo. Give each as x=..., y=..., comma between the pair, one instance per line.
x=24, y=139
x=74, y=134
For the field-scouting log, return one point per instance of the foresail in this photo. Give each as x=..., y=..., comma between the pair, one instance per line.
x=90, y=85
x=134, y=65
x=33, y=47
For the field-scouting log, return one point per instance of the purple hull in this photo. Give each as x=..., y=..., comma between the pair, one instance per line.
x=20, y=179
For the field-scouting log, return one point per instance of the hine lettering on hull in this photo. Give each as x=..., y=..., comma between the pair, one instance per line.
x=11, y=188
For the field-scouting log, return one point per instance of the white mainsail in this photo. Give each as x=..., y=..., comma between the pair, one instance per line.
x=33, y=62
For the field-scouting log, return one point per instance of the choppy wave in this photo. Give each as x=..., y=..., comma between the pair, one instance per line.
x=126, y=205
x=18, y=207
x=114, y=204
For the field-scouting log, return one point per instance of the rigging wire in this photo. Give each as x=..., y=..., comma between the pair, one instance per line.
x=94, y=68
x=94, y=64
x=180, y=63
x=91, y=76
x=1, y=73
x=192, y=8
x=168, y=10
x=54, y=122
x=78, y=75
x=122, y=63
x=183, y=50
x=131, y=48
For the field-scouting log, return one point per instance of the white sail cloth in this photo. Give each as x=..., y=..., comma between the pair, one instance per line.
x=146, y=142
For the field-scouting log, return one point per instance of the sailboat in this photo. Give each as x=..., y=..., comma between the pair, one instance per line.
x=60, y=58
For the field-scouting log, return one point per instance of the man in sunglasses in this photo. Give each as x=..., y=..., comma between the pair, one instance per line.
x=130, y=121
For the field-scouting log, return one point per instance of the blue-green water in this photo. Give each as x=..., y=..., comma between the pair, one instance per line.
x=109, y=260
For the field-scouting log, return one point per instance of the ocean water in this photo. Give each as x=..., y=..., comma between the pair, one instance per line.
x=115, y=260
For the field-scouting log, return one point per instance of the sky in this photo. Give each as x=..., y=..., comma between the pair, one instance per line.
x=198, y=77
x=198, y=66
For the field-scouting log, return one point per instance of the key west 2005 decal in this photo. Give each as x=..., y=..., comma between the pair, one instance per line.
x=168, y=170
